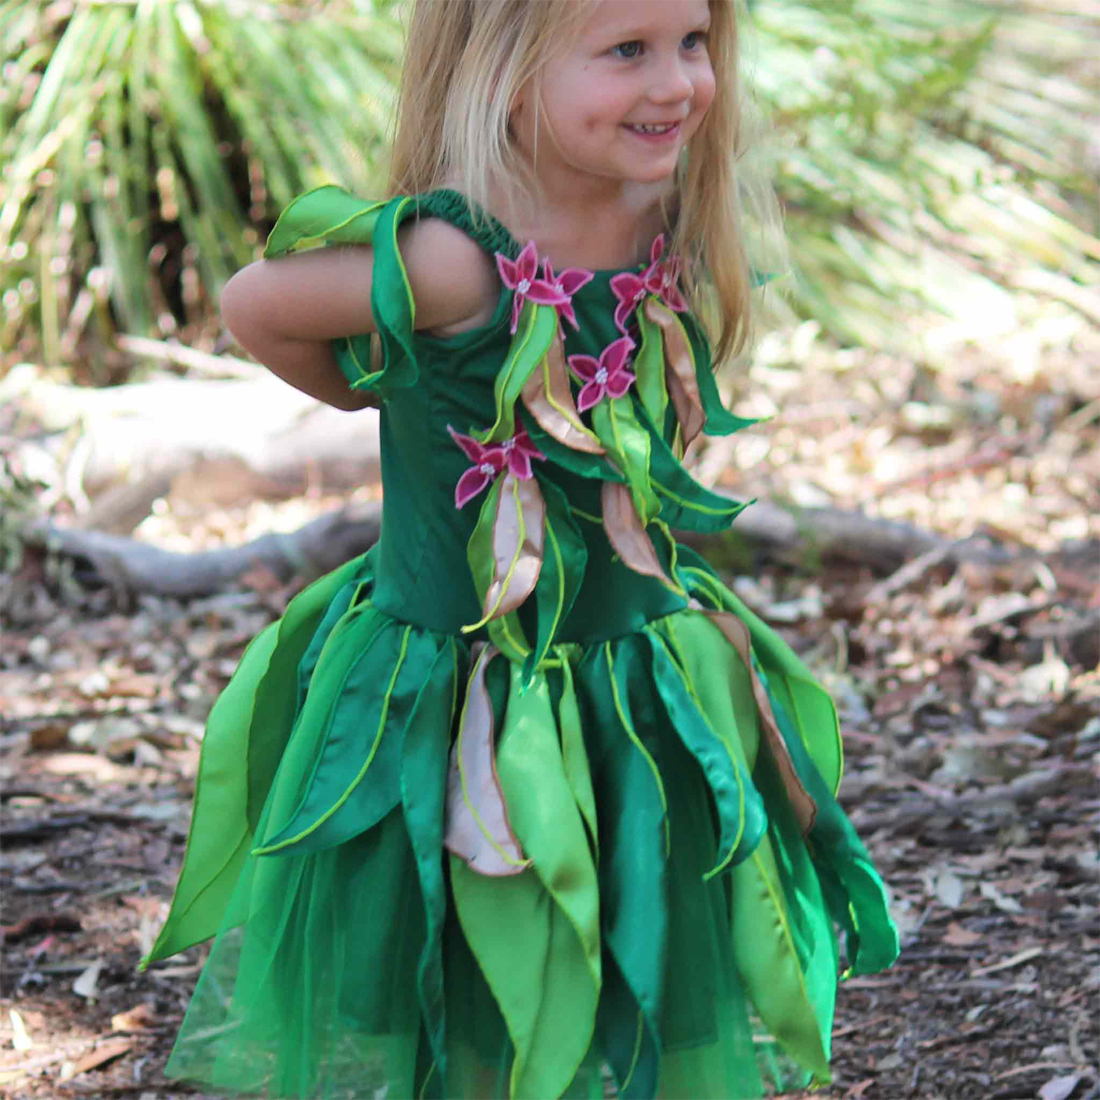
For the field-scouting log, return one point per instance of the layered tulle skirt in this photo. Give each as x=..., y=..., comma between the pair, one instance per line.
x=430, y=877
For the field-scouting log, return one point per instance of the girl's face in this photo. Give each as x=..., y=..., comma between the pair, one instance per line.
x=622, y=100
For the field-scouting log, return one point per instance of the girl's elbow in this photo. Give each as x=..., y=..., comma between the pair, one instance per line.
x=238, y=303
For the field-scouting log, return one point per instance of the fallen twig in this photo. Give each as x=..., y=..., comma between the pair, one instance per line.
x=131, y=567
x=40, y=828
x=223, y=366
x=47, y=888
x=38, y=923
x=1025, y=788
x=909, y=573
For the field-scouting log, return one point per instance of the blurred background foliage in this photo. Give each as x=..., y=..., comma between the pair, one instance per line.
x=935, y=155
x=932, y=156
x=148, y=145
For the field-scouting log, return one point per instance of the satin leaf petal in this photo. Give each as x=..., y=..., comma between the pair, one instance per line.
x=517, y=532
x=628, y=536
x=565, y=556
x=741, y=814
x=478, y=829
x=802, y=804
x=424, y=765
x=326, y=213
x=768, y=964
x=573, y=751
x=538, y=328
x=355, y=780
x=684, y=503
x=545, y=817
x=479, y=550
x=682, y=385
x=649, y=370
x=720, y=421
x=628, y=444
x=549, y=399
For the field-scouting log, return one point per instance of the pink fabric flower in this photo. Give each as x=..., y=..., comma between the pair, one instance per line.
x=568, y=283
x=630, y=288
x=518, y=452
x=519, y=275
x=489, y=462
x=608, y=374
x=661, y=278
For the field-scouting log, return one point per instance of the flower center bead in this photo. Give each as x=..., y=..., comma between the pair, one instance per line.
x=601, y=376
x=524, y=286
x=508, y=444
x=487, y=468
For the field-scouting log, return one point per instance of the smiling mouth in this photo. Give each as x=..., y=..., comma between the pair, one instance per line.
x=653, y=128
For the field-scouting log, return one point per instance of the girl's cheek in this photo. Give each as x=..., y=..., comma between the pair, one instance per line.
x=704, y=92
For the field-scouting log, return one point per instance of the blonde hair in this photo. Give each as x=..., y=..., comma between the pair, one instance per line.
x=466, y=61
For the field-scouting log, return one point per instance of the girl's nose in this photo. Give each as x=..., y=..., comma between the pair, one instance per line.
x=672, y=82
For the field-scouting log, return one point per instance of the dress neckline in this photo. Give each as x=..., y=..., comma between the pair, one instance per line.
x=485, y=230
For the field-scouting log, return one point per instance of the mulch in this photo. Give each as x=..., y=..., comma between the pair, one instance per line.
x=968, y=690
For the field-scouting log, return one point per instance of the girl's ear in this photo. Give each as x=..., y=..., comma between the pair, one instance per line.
x=519, y=101
x=519, y=109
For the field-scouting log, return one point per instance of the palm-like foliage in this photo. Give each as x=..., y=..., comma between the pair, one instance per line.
x=930, y=152
x=151, y=135
x=933, y=154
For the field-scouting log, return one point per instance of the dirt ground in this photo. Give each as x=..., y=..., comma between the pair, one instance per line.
x=967, y=686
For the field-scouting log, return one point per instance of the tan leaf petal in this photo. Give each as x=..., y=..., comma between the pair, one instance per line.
x=627, y=534
x=683, y=388
x=478, y=830
x=550, y=401
x=805, y=809
x=518, y=533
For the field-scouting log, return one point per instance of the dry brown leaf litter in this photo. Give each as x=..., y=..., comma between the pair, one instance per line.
x=969, y=695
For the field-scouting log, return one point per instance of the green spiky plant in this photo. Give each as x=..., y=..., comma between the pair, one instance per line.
x=931, y=154
x=145, y=145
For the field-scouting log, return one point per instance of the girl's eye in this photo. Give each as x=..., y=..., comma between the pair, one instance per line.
x=627, y=50
x=693, y=40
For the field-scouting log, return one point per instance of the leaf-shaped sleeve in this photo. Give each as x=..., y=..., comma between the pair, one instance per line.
x=331, y=215
x=719, y=420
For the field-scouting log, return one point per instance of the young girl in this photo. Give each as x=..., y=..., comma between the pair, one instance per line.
x=523, y=797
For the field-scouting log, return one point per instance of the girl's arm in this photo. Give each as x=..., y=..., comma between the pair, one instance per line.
x=286, y=311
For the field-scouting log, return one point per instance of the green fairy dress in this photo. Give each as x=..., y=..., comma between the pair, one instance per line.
x=524, y=797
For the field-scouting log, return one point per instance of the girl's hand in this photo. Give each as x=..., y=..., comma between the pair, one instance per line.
x=286, y=311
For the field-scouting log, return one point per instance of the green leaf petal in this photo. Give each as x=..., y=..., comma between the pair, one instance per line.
x=479, y=550
x=538, y=326
x=328, y=214
x=684, y=503
x=649, y=369
x=740, y=810
x=628, y=443
x=720, y=421
x=564, y=558
x=580, y=463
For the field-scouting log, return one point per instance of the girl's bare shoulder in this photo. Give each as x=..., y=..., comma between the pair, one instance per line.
x=454, y=282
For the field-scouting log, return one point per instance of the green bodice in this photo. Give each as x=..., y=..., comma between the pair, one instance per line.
x=422, y=573
x=472, y=383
